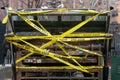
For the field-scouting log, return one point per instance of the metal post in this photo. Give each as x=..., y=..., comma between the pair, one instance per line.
x=13, y=62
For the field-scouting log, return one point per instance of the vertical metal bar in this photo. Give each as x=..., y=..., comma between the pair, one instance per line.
x=101, y=71
x=13, y=62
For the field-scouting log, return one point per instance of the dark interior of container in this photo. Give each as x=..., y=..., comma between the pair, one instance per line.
x=62, y=24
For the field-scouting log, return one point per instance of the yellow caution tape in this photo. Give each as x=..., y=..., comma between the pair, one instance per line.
x=33, y=25
x=31, y=12
x=34, y=12
x=62, y=10
x=78, y=48
x=80, y=39
x=58, y=39
x=78, y=26
x=90, y=35
x=43, y=52
x=69, y=31
x=24, y=57
x=32, y=50
x=23, y=12
x=55, y=39
x=80, y=66
x=49, y=37
x=102, y=61
x=23, y=46
x=57, y=67
x=44, y=28
x=64, y=34
x=5, y=20
x=58, y=59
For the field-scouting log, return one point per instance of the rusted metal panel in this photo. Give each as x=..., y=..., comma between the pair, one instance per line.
x=40, y=66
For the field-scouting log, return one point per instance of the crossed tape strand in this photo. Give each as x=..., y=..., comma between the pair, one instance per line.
x=54, y=38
